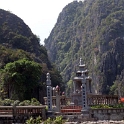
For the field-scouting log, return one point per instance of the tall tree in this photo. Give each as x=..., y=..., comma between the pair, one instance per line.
x=20, y=78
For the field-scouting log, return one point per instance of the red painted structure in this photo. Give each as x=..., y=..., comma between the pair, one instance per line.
x=121, y=100
x=71, y=109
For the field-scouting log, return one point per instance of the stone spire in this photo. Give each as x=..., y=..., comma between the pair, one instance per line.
x=81, y=62
x=48, y=81
x=81, y=65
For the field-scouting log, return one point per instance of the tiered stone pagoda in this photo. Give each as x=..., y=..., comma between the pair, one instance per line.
x=82, y=86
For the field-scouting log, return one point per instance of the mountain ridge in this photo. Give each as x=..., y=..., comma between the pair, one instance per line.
x=18, y=42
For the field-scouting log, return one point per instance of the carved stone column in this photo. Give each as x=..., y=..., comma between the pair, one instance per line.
x=49, y=93
x=84, y=94
x=57, y=98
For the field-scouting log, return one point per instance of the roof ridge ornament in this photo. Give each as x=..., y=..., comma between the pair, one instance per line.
x=81, y=62
x=48, y=81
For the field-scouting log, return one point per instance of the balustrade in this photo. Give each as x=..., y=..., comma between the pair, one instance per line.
x=11, y=111
x=102, y=99
x=63, y=100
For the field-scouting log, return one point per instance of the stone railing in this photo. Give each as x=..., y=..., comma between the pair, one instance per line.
x=102, y=99
x=107, y=113
x=22, y=111
x=91, y=99
x=63, y=100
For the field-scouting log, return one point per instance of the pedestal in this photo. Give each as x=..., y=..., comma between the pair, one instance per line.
x=85, y=116
x=49, y=114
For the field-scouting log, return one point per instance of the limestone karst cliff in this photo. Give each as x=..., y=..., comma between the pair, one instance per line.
x=93, y=30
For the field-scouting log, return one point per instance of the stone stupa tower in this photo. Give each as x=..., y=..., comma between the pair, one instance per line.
x=82, y=86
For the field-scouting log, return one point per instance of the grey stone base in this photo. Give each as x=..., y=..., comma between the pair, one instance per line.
x=49, y=114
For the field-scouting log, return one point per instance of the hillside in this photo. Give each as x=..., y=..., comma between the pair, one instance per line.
x=93, y=30
x=17, y=42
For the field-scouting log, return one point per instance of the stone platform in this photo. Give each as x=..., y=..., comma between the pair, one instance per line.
x=97, y=122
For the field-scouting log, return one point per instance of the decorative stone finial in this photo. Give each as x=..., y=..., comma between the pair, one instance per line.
x=54, y=88
x=63, y=93
x=57, y=88
x=48, y=76
x=81, y=63
x=48, y=81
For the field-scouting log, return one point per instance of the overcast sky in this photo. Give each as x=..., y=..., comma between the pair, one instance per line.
x=39, y=15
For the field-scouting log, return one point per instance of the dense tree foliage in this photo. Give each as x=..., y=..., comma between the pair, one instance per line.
x=17, y=42
x=20, y=78
x=118, y=86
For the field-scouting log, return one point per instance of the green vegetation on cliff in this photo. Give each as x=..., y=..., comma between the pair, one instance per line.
x=93, y=30
x=24, y=62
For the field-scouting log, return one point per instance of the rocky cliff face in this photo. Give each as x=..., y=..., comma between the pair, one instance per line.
x=93, y=30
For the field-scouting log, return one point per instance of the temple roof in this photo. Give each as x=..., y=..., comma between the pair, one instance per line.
x=82, y=72
x=77, y=78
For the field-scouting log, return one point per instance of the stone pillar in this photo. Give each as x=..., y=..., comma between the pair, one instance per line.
x=57, y=98
x=87, y=85
x=84, y=97
x=84, y=93
x=90, y=86
x=49, y=93
x=54, y=91
x=74, y=86
x=43, y=114
x=85, y=109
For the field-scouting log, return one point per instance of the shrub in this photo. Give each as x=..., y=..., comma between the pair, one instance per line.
x=8, y=102
x=34, y=102
x=34, y=121
x=57, y=120
x=25, y=103
x=16, y=102
x=120, y=105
